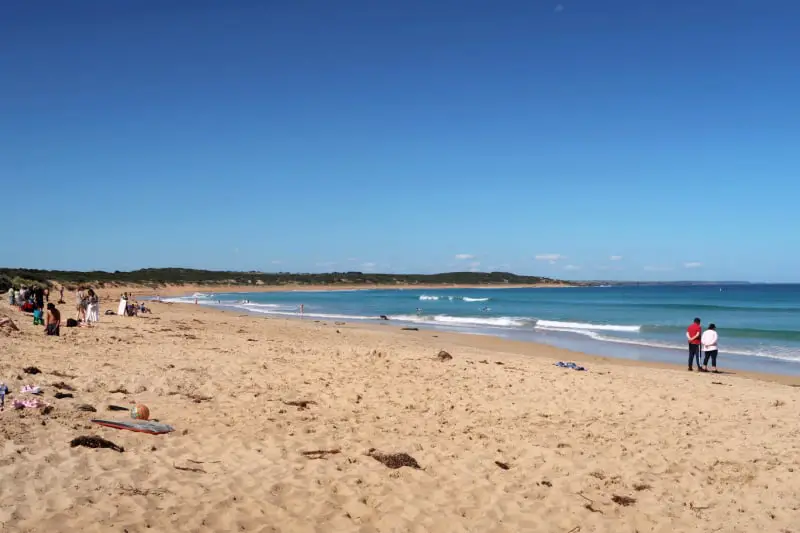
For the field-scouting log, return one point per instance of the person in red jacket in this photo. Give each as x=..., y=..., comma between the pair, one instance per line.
x=693, y=333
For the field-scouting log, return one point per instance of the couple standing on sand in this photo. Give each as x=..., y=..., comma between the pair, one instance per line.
x=708, y=339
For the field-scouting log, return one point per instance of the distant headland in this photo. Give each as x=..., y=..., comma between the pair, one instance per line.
x=162, y=277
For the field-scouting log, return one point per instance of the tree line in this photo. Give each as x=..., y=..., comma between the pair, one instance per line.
x=155, y=277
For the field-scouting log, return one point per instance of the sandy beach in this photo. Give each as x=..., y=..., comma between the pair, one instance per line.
x=505, y=440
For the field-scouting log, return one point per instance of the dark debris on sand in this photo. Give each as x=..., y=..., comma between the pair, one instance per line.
x=624, y=501
x=444, y=356
x=394, y=460
x=502, y=465
x=95, y=442
x=31, y=370
x=300, y=404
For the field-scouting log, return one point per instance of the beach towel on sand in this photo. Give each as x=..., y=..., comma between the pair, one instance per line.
x=571, y=365
x=154, y=428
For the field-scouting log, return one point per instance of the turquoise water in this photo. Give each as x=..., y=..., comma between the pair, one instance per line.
x=759, y=325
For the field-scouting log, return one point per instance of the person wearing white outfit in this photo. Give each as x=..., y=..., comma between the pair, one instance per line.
x=709, y=341
x=93, y=308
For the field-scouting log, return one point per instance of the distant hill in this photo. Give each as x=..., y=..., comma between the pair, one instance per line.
x=154, y=277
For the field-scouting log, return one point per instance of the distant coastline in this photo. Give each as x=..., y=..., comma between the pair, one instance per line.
x=172, y=280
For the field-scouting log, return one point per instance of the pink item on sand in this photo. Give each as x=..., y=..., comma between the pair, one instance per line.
x=33, y=403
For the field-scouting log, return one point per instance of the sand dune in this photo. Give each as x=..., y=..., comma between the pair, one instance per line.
x=695, y=452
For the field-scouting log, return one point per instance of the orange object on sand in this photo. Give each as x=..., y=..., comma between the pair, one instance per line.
x=140, y=412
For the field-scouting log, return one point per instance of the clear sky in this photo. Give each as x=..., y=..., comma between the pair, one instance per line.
x=584, y=139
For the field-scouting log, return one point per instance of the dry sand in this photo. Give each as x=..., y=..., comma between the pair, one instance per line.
x=696, y=452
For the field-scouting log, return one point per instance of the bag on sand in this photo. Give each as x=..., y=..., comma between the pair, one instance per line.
x=72, y=323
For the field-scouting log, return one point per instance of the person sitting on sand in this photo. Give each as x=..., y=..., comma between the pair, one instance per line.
x=693, y=336
x=709, y=340
x=52, y=322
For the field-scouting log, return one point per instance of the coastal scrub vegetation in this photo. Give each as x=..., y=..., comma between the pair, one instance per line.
x=155, y=277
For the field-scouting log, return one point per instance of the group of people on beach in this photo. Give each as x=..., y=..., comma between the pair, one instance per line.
x=32, y=300
x=129, y=307
x=87, y=305
x=708, y=340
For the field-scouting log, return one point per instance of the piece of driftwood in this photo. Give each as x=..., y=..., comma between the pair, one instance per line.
x=590, y=506
x=320, y=454
x=189, y=469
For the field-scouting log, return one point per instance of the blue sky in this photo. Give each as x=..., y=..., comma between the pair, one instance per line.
x=409, y=136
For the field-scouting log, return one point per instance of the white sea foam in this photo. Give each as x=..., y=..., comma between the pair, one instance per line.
x=266, y=306
x=188, y=300
x=501, y=321
x=428, y=297
x=558, y=325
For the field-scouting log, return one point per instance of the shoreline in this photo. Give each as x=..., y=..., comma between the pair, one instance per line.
x=499, y=344
x=187, y=290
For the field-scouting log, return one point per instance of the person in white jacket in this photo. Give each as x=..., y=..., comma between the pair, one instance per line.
x=709, y=340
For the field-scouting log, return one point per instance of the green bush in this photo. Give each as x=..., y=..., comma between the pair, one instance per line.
x=5, y=283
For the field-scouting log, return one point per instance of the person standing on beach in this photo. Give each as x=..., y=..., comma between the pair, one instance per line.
x=693, y=334
x=80, y=299
x=38, y=297
x=52, y=322
x=93, y=308
x=709, y=340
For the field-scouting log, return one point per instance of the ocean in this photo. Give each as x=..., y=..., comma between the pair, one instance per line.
x=758, y=325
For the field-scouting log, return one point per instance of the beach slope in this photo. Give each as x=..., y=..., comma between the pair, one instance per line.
x=505, y=442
